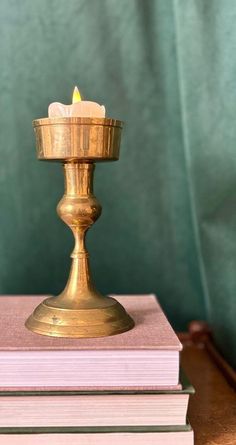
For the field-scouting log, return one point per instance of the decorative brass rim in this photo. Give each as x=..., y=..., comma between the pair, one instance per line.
x=107, y=122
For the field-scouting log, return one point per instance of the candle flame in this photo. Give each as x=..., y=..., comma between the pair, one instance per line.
x=76, y=96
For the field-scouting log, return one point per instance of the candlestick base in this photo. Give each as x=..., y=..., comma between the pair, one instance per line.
x=52, y=320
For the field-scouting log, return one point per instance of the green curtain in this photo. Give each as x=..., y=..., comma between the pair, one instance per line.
x=168, y=69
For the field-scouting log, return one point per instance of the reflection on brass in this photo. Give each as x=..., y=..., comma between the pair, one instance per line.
x=80, y=310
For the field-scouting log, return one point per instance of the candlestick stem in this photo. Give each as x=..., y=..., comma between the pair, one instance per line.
x=79, y=209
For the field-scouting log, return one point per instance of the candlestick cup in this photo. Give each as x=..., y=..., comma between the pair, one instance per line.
x=80, y=310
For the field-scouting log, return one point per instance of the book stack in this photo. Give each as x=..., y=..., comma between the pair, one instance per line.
x=116, y=390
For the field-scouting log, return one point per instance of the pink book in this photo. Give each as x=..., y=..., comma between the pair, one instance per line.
x=98, y=410
x=144, y=358
x=160, y=438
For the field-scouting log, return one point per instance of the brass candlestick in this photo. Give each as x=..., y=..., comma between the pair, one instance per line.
x=80, y=310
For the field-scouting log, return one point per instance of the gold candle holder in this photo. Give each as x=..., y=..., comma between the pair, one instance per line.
x=80, y=310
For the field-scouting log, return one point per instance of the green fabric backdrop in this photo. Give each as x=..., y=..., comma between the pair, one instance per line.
x=168, y=69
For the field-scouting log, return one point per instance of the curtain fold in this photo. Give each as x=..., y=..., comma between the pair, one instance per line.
x=206, y=40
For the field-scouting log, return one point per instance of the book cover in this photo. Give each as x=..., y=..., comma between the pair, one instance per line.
x=96, y=430
x=152, y=329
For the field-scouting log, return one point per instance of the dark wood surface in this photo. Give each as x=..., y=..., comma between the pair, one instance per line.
x=212, y=410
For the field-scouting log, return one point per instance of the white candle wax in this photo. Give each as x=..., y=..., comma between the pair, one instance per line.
x=79, y=108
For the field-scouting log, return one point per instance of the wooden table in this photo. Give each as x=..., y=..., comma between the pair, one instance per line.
x=212, y=410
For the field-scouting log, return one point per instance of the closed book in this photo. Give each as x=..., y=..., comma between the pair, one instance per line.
x=95, y=409
x=146, y=357
x=106, y=438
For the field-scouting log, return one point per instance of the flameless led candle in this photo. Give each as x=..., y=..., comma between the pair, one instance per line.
x=78, y=108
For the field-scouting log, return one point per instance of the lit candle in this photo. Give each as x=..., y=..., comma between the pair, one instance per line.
x=78, y=108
